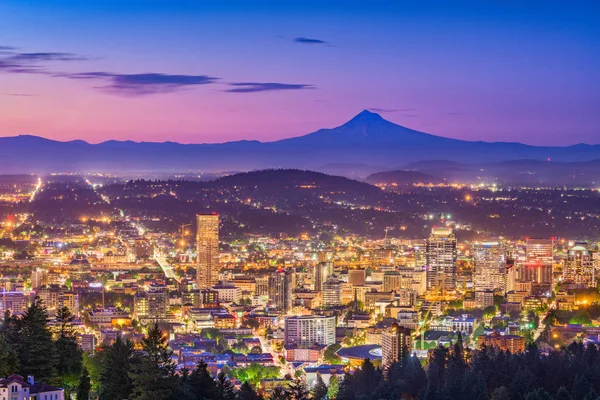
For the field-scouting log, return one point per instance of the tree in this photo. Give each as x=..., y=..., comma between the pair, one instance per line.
x=279, y=393
x=500, y=393
x=247, y=392
x=334, y=387
x=224, y=389
x=538, y=394
x=115, y=382
x=9, y=360
x=153, y=376
x=33, y=344
x=85, y=385
x=320, y=390
x=298, y=390
x=563, y=394
x=201, y=382
x=69, y=354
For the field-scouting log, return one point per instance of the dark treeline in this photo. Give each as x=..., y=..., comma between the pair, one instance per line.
x=570, y=374
x=148, y=371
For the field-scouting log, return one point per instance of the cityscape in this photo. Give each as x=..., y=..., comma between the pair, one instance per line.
x=238, y=257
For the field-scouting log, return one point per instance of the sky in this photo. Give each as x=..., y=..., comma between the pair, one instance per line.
x=216, y=71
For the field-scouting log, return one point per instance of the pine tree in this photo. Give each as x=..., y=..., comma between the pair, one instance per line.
x=480, y=391
x=279, y=393
x=334, y=387
x=69, y=354
x=298, y=390
x=115, y=382
x=563, y=394
x=592, y=395
x=500, y=393
x=247, y=392
x=153, y=375
x=202, y=383
x=538, y=394
x=9, y=361
x=85, y=385
x=320, y=390
x=36, y=350
x=224, y=389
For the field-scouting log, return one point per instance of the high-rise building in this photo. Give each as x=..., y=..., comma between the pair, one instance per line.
x=262, y=286
x=331, y=296
x=395, y=344
x=310, y=330
x=489, y=264
x=207, y=250
x=540, y=251
x=357, y=276
x=441, y=260
x=151, y=304
x=323, y=270
x=281, y=285
x=579, y=266
x=39, y=277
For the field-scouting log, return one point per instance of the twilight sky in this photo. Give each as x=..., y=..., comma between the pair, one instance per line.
x=213, y=71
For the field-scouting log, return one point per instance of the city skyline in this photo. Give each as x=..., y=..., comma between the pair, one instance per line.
x=199, y=72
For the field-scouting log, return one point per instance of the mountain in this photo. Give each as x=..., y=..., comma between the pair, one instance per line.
x=365, y=141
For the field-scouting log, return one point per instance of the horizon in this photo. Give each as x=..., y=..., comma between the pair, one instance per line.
x=292, y=137
x=200, y=72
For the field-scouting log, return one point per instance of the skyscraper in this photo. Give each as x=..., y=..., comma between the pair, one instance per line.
x=331, y=292
x=323, y=270
x=579, y=266
x=540, y=251
x=310, y=330
x=489, y=264
x=280, y=289
x=441, y=260
x=207, y=250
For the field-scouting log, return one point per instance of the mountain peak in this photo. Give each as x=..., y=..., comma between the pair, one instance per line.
x=366, y=116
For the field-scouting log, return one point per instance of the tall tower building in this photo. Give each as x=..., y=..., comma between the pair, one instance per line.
x=540, y=251
x=357, y=276
x=489, y=262
x=579, y=266
x=280, y=289
x=323, y=270
x=207, y=250
x=441, y=260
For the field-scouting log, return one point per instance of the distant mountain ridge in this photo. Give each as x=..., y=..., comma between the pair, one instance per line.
x=367, y=139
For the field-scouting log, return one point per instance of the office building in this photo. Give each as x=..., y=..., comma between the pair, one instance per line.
x=395, y=344
x=151, y=304
x=281, y=286
x=540, y=251
x=311, y=330
x=207, y=250
x=441, y=260
x=331, y=296
x=579, y=266
x=488, y=266
x=323, y=270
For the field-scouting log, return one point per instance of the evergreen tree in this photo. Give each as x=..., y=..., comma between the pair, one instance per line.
x=480, y=391
x=202, y=383
x=153, y=376
x=247, y=392
x=224, y=389
x=85, y=385
x=563, y=394
x=34, y=345
x=298, y=390
x=115, y=382
x=69, y=354
x=592, y=395
x=500, y=393
x=320, y=390
x=538, y=394
x=334, y=387
x=9, y=360
x=279, y=393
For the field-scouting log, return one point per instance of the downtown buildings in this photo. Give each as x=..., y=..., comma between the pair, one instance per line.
x=207, y=250
x=441, y=258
